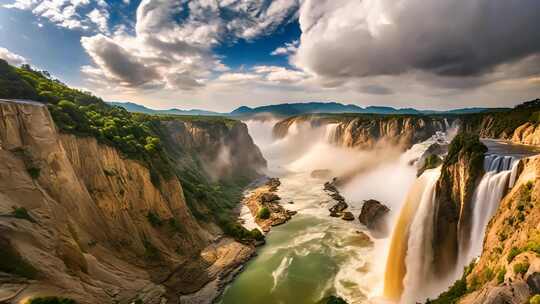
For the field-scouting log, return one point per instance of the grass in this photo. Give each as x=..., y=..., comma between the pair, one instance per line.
x=500, y=276
x=521, y=268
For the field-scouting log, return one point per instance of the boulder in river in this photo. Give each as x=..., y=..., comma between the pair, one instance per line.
x=372, y=214
x=338, y=208
x=348, y=216
x=333, y=300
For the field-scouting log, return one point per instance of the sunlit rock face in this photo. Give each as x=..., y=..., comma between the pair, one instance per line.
x=226, y=148
x=510, y=244
x=366, y=131
x=460, y=174
x=87, y=233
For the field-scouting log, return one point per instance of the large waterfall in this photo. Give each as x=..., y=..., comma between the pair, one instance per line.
x=501, y=173
x=411, y=248
x=408, y=276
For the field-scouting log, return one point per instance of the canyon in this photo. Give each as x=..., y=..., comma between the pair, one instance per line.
x=83, y=218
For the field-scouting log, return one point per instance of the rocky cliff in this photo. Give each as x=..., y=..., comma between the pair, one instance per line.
x=508, y=270
x=520, y=124
x=460, y=173
x=79, y=219
x=365, y=131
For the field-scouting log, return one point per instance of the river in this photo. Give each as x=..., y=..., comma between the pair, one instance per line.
x=314, y=256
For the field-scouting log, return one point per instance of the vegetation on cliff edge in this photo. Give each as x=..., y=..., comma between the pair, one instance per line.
x=137, y=136
x=456, y=291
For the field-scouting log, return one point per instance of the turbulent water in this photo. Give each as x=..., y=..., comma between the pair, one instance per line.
x=314, y=255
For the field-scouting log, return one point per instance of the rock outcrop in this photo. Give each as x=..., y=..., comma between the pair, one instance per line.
x=372, y=215
x=81, y=220
x=460, y=173
x=519, y=125
x=225, y=149
x=366, y=131
x=265, y=206
x=508, y=270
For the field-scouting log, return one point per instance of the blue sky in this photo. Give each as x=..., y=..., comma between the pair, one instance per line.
x=225, y=53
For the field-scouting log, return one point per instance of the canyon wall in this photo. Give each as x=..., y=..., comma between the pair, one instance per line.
x=366, y=131
x=508, y=270
x=80, y=220
x=460, y=174
x=519, y=125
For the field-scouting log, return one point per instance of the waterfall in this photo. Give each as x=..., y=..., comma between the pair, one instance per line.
x=330, y=133
x=410, y=246
x=419, y=257
x=501, y=173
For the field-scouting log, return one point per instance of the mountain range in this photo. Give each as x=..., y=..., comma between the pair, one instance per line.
x=291, y=109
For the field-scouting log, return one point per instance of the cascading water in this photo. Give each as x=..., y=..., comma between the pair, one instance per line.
x=315, y=255
x=501, y=172
x=410, y=256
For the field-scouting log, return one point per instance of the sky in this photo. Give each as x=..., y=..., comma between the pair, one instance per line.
x=222, y=54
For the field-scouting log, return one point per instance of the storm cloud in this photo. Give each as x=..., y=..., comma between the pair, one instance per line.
x=350, y=38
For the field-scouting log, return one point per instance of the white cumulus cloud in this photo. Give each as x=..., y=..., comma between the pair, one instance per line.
x=11, y=58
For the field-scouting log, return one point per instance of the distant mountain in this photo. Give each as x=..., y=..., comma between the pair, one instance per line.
x=137, y=108
x=291, y=109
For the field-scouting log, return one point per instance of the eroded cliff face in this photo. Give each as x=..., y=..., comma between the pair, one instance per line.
x=519, y=125
x=226, y=149
x=508, y=270
x=460, y=174
x=76, y=215
x=366, y=131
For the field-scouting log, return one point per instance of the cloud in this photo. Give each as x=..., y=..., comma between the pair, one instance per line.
x=288, y=49
x=12, y=58
x=282, y=75
x=375, y=90
x=87, y=15
x=116, y=62
x=238, y=77
x=346, y=39
x=171, y=45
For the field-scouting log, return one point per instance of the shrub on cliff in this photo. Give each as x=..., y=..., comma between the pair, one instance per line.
x=264, y=213
x=456, y=291
x=521, y=268
x=465, y=143
x=154, y=219
x=22, y=213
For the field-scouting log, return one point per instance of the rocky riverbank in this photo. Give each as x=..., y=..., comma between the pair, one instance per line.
x=264, y=204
